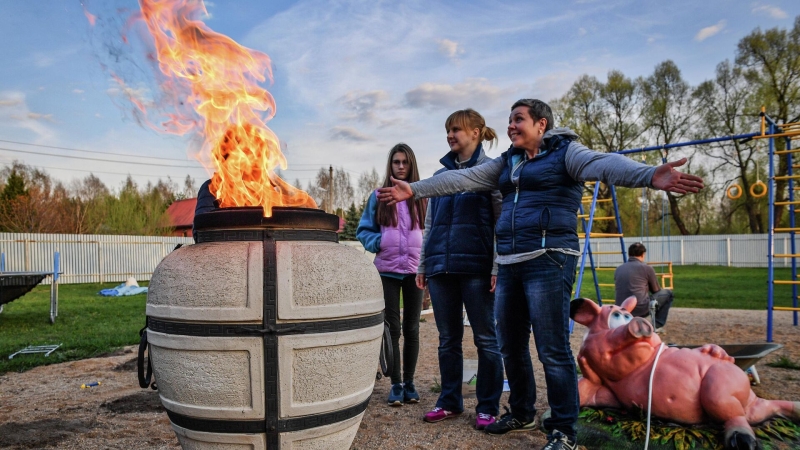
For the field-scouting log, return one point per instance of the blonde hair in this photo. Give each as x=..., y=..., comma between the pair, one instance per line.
x=469, y=119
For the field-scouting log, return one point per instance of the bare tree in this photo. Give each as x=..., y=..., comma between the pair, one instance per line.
x=342, y=194
x=668, y=110
x=85, y=206
x=367, y=183
x=725, y=102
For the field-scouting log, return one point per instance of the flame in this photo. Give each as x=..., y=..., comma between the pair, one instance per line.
x=213, y=84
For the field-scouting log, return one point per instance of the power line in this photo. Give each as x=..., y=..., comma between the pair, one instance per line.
x=107, y=173
x=98, y=159
x=91, y=151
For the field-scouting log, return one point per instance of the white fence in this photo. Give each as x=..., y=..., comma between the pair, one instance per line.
x=87, y=258
x=103, y=258
x=732, y=250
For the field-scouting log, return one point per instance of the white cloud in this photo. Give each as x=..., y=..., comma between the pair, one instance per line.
x=38, y=116
x=362, y=106
x=707, y=32
x=450, y=49
x=47, y=59
x=582, y=31
x=348, y=134
x=475, y=93
x=772, y=11
x=14, y=113
x=78, y=91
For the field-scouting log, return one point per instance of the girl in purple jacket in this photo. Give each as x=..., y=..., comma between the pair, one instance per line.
x=394, y=234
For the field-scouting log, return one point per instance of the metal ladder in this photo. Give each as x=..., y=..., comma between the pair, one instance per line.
x=587, y=219
x=770, y=130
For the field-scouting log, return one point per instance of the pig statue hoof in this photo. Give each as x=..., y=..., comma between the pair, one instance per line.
x=741, y=441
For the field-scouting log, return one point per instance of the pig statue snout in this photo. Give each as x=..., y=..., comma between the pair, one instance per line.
x=640, y=328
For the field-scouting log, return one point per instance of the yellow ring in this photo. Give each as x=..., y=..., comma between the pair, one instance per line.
x=763, y=189
x=730, y=194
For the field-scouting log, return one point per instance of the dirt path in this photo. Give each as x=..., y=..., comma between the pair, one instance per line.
x=46, y=408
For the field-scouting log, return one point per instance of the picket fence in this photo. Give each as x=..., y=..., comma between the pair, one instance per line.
x=107, y=258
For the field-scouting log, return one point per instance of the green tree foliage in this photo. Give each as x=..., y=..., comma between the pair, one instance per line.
x=31, y=202
x=351, y=218
x=138, y=212
x=771, y=63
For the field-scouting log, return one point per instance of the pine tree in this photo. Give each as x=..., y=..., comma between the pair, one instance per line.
x=351, y=217
x=14, y=188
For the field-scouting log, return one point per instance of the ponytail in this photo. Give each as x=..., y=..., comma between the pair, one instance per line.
x=469, y=119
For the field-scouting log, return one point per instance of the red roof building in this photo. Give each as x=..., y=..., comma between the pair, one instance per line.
x=181, y=216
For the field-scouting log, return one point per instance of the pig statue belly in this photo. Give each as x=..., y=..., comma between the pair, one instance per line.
x=690, y=386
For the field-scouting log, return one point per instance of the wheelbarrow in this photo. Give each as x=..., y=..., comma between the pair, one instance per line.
x=744, y=355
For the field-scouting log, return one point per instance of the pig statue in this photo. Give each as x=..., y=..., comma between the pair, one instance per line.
x=690, y=386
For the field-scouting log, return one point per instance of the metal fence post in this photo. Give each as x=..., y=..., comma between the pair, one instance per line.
x=27, y=255
x=728, y=243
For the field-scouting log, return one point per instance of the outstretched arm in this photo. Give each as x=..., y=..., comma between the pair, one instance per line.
x=484, y=177
x=584, y=164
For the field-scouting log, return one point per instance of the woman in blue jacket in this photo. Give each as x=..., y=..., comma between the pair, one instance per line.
x=458, y=267
x=541, y=179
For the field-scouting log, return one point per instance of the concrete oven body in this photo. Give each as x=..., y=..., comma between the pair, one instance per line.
x=266, y=333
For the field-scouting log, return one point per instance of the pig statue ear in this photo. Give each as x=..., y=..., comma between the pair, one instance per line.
x=583, y=310
x=629, y=304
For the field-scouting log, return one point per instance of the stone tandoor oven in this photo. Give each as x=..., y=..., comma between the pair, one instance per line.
x=266, y=333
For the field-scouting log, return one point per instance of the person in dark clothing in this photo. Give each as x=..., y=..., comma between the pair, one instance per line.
x=457, y=264
x=206, y=202
x=637, y=279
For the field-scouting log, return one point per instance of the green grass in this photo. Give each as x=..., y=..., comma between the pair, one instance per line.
x=784, y=362
x=711, y=287
x=87, y=325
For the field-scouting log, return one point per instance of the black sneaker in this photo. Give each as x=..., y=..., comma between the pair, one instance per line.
x=559, y=441
x=509, y=424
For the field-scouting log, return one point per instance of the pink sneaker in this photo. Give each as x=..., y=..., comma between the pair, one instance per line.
x=483, y=420
x=438, y=414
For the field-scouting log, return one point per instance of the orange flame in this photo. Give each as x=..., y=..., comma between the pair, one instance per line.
x=219, y=80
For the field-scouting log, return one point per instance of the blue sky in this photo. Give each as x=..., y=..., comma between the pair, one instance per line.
x=351, y=78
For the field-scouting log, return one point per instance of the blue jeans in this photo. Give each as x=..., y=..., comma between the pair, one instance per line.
x=535, y=295
x=448, y=293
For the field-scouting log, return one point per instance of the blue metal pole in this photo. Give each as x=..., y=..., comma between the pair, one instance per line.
x=56, y=265
x=586, y=241
x=771, y=234
x=792, y=224
x=3, y=262
x=587, y=231
x=684, y=144
x=619, y=224
x=591, y=261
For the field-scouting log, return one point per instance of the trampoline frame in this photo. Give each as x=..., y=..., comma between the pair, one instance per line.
x=24, y=283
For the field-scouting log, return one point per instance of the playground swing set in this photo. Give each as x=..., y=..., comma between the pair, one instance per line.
x=770, y=130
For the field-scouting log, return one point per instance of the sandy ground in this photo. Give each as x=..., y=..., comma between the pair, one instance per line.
x=46, y=408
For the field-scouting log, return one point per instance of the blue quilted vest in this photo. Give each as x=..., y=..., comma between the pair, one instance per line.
x=461, y=236
x=541, y=211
